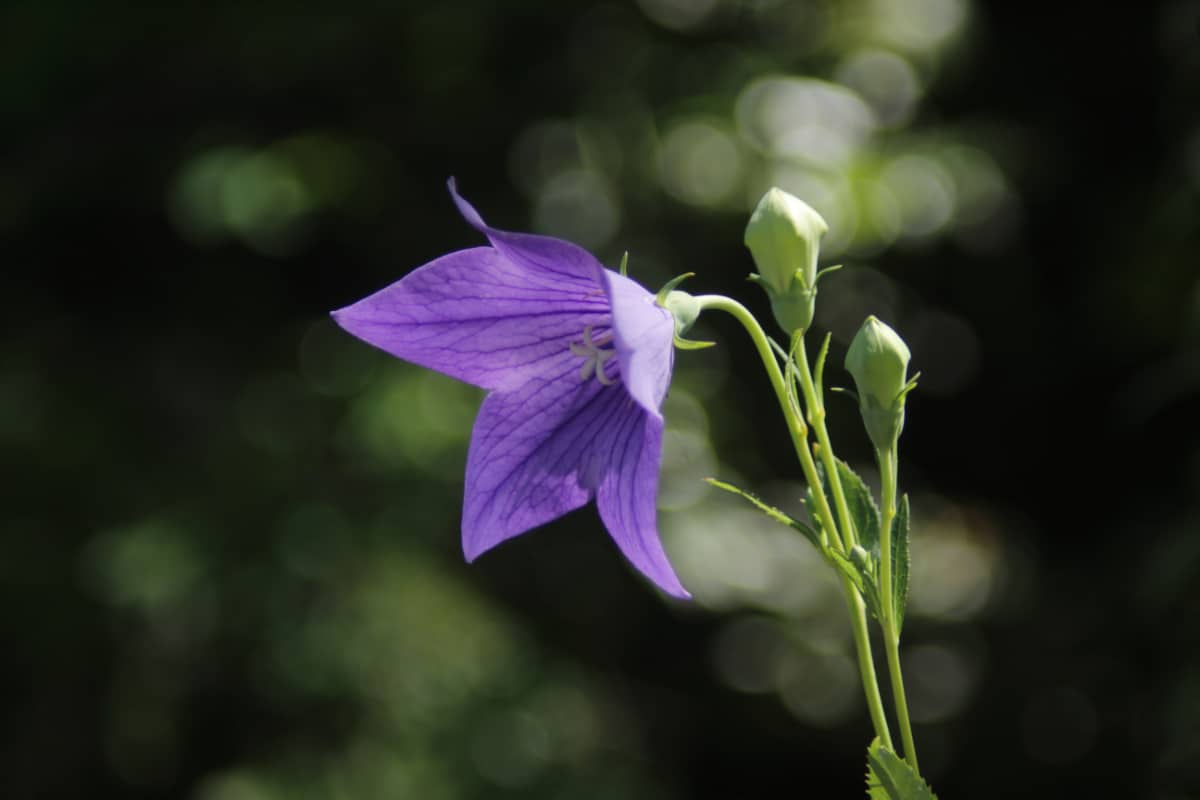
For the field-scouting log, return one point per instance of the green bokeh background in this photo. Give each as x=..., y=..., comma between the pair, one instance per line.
x=230, y=566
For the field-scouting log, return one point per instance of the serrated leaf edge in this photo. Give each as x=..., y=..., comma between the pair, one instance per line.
x=886, y=769
x=771, y=511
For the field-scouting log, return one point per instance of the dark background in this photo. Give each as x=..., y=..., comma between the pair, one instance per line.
x=230, y=565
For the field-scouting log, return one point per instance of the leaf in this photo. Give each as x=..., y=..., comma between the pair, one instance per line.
x=871, y=596
x=860, y=573
x=810, y=503
x=891, y=778
x=771, y=511
x=900, y=562
x=875, y=789
x=819, y=371
x=861, y=505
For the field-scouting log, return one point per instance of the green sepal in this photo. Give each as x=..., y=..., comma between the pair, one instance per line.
x=625, y=264
x=845, y=391
x=900, y=563
x=661, y=298
x=908, y=387
x=684, y=310
x=793, y=309
x=822, y=273
x=771, y=511
x=692, y=344
x=891, y=778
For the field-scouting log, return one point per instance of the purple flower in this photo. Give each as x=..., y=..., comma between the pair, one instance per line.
x=576, y=359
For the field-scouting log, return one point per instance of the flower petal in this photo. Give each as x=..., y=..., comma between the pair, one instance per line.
x=477, y=316
x=534, y=454
x=644, y=336
x=626, y=498
x=544, y=450
x=568, y=261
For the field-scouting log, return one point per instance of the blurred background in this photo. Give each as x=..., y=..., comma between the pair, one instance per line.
x=230, y=564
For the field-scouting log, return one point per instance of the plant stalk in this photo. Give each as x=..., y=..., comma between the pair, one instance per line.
x=888, y=467
x=799, y=434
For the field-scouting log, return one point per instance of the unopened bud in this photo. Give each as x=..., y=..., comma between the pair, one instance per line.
x=784, y=237
x=878, y=361
x=860, y=557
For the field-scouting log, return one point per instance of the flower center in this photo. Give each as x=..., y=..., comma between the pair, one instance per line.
x=594, y=356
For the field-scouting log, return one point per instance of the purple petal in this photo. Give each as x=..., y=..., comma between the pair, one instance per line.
x=644, y=336
x=545, y=449
x=478, y=316
x=545, y=253
x=536, y=453
x=626, y=498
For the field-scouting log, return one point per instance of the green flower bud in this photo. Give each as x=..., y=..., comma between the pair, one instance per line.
x=784, y=235
x=878, y=362
x=861, y=558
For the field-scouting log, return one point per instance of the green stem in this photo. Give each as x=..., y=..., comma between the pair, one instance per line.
x=888, y=467
x=799, y=433
x=816, y=415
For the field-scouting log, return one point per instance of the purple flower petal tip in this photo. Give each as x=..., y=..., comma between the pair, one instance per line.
x=577, y=360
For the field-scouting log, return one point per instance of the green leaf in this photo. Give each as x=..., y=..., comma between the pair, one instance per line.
x=862, y=506
x=819, y=370
x=814, y=511
x=864, y=514
x=900, y=562
x=875, y=789
x=863, y=511
x=771, y=511
x=891, y=778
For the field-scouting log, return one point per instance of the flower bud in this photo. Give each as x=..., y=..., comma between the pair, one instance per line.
x=860, y=557
x=878, y=362
x=784, y=236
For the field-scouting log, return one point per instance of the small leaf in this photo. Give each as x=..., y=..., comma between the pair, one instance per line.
x=819, y=370
x=875, y=790
x=891, y=778
x=862, y=508
x=810, y=503
x=863, y=511
x=771, y=511
x=783, y=354
x=900, y=562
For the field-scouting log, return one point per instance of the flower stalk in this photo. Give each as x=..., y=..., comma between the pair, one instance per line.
x=888, y=468
x=798, y=430
x=816, y=415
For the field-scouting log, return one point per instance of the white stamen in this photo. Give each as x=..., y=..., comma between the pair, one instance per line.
x=596, y=358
